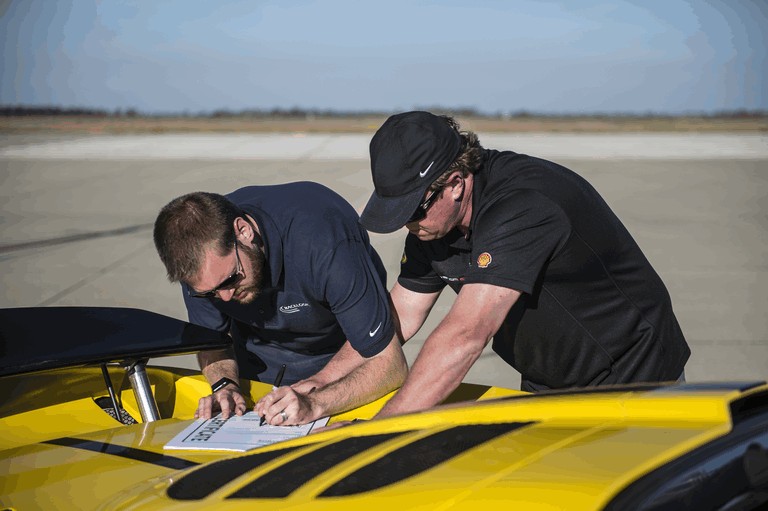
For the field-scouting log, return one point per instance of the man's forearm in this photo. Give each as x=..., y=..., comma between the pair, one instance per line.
x=344, y=362
x=216, y=365
x=451, y=350
x=367, y=381
x=442, y=364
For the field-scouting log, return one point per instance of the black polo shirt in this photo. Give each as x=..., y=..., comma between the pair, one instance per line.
x=324, y=284
x=593, y=310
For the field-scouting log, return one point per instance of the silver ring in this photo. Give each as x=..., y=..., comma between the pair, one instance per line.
x=284, y=415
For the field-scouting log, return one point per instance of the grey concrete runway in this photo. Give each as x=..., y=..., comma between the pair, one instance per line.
x=77, y=213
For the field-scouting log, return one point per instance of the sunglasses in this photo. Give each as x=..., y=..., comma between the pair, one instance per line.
x=421, y=210
x=227, y=283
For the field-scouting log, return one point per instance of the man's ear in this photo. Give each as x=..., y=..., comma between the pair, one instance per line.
x=457, y=187
x=243, y=230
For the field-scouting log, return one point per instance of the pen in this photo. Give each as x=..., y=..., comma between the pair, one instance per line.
x=278, y=380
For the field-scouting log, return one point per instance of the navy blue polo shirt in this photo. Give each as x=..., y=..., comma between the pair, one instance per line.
x=325, y=284
x=593, y=310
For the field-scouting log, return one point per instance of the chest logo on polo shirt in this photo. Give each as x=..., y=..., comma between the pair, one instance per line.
x=404, y=259
x=290, y=309
x=484, y=259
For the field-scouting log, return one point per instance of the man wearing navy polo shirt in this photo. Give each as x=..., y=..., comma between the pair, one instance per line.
x=289, y=272
x=538, y=260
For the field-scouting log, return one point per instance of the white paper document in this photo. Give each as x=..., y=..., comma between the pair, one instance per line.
x=238, y=433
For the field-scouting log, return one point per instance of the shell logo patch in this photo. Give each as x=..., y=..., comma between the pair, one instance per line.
x=484, y=259
x=404, y=259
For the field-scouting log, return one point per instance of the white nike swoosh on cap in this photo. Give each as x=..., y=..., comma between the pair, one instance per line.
x=373, y=332
x=422, y=174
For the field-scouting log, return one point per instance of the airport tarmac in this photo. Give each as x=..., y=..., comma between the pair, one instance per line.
x=77, y=214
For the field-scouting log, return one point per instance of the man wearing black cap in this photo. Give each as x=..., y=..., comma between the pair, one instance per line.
x=538, y=260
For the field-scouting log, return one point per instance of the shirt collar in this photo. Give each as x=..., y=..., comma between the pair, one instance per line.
x=273, y=244
x=479, y=180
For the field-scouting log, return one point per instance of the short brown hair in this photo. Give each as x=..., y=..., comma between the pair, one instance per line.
x=470, y=157
x=188, y=225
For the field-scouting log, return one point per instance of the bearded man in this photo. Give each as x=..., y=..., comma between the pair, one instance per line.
x=290, y=274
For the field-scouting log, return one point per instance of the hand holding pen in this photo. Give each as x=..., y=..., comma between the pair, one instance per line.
x=278, y=380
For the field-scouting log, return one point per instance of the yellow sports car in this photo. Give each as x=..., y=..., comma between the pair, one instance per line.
x=84, y=421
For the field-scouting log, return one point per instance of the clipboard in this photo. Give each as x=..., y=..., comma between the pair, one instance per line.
x=238, y=433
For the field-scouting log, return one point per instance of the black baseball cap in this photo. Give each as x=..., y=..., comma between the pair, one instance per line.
x=408, y=153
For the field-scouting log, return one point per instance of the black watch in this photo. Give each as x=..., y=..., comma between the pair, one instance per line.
x=223, y=383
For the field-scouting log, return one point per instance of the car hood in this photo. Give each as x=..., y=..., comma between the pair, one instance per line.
x=556, y=451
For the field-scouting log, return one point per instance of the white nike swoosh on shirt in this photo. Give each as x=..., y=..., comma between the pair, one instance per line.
x=373, y=332
x=422, y=174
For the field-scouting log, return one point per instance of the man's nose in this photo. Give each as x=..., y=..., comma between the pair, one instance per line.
x=226, y=294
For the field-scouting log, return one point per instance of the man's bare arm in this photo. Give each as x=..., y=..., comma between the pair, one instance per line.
x=363, y=380
x=410, y=310
x=345, y=382
x=218, y=364
x=453, y=347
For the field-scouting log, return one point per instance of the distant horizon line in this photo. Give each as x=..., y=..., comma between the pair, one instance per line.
x=297, y=112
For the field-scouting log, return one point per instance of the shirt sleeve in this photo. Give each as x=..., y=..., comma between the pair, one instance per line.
x=202, y=312
x=416, y=272
x=514, y=239
x=355, y=289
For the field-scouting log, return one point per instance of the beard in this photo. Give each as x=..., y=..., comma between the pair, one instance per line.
x=255, y=262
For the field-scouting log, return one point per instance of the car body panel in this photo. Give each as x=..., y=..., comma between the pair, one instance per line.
x=486, y=448
x=575, y=451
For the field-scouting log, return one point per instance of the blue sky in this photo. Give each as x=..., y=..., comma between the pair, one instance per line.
x=569, y=56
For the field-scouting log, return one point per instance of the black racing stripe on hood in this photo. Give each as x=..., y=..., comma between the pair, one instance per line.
x=130, y=453
x=286, y=478
x=418, y=457
x=209, y=478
